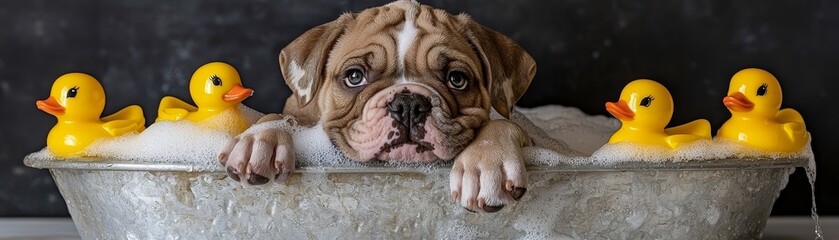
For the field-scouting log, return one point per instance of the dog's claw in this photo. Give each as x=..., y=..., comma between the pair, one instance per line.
x=233, y=173
x=518, y=192
x=256, y=179
x=492, y=209
x=222, y=158
x=469, y=210
x=281, y=177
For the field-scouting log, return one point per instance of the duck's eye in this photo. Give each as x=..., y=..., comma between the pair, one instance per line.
x=457, y=80
x=72, y=92
x=354, y=78
x=647, y=101
x=761, y=90
x=216, y=80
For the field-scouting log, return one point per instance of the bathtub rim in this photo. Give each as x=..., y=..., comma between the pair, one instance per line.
x=697, y=165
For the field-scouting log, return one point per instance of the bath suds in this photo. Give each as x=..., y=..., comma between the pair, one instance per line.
x=175, y=141
x=582, y=132
x=185, y=142
x=699, y=150
x=590, y=135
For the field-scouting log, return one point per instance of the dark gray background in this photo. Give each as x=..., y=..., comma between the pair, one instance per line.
x=586, y=51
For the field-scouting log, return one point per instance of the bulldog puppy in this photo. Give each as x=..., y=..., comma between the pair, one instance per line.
x=402, y=82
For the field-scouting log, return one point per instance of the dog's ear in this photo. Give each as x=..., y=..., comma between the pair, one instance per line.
x=303, y=61
x=508, y=69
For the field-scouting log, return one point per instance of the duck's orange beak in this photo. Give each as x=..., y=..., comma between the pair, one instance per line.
x=51, y=106
x=738, y=102
x=620, y=110
x=237, y=94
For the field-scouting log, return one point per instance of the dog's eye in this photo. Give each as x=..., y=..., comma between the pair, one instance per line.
x=647, y=101
x=761, y=90
x=216, y=80
x=354, y=78
x=72, y=92
x=457, y=80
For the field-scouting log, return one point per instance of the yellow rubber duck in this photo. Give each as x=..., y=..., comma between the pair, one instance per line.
x=215, y=87
x=645, y=109
x=754, y=99
x=77, y=100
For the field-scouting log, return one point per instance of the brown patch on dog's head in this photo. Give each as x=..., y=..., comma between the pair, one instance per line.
x=345, y=74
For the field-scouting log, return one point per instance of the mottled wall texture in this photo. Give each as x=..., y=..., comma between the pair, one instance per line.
x=586, y=52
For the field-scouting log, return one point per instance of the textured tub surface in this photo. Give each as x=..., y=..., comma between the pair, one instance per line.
x=711, y=200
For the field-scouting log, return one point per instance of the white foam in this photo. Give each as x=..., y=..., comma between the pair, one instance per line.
x=571, y=137
x=590, y=135
x=582, y=132
x=175, y=141
x=695, y=151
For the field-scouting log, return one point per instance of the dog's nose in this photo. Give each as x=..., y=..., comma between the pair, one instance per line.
x=409, y=108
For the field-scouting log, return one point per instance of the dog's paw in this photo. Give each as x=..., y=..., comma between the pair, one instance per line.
x=490, y=174
x=259, y=155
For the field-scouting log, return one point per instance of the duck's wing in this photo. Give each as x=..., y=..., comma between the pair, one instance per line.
x=789, y=115
x=173, y=109
x=122, y=126
x=700, y=128
x=129, y=119
x=793, y=123
x=131, y=113
x=677, y=140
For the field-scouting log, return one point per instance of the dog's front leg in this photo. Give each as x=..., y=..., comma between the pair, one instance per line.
x=490, y=173
x=260, y=154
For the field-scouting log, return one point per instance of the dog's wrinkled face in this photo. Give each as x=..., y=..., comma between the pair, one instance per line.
x=403, y=81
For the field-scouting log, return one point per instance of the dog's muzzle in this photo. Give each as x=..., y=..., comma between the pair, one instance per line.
x=398, y=124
